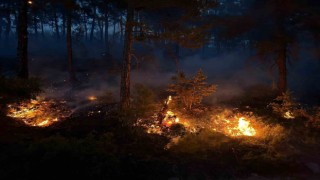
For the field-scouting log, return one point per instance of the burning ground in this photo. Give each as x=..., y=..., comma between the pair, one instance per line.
x=212, y=141
x=82, y=134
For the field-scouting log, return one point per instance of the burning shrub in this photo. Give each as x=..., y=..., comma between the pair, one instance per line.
x=191, y=91
x=285, y=106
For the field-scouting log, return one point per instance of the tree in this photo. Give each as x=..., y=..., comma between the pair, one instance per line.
x=70, y=6
x=22, y=50
x=158, y=7
x=191, y=91
x=274, y=30
x=126, y=67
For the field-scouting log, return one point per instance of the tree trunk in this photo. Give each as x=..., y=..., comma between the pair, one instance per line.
x=86, y=27
x=106, y=30
x=121, y=29
x=35, y=25
x=56, y=25
x=282, y=68
x=93, y=24
x=100, y=25
x=22, y=50
x=64, y=24
x=8, y=27
x=69, y=48
x=0, y=29
x=125, y=77
x=42, y=27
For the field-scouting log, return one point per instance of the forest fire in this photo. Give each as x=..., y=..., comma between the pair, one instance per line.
x=39, y=112
x=233, y=125
x=245, y=128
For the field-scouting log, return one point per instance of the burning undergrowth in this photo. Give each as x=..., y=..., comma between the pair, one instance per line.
x=232, y=123
x=39, y=112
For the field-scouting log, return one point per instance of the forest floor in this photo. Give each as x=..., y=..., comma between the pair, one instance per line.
x=98, y=142
x=107, y=145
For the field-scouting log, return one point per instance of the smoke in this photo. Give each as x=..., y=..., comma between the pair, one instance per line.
x=99, y=74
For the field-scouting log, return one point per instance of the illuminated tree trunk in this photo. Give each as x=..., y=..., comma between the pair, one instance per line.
x=22, y=49
x=69, y=47
x=125, y=77
x=282, y=68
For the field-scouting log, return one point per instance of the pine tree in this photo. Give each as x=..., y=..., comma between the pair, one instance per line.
x=191, y=91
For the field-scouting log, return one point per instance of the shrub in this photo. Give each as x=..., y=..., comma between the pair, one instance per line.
x=144, y=100
x=191, y=91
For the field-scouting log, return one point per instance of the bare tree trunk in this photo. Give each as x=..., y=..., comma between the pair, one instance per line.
x=64, y=24
x=93, y=24
x=282, y=68
x=106, y=30
x=86, y=27
x=0, y=30
x=35, y=25
x=8, y=27
x=56, y=24
x=100, y=24
x=69, y=48
x=42, y=27
x=22, y=50
x=114, y=31
x=121, y=29
x=125, y=77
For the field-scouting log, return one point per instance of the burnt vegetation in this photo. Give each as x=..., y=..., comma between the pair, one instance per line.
x=159, y=89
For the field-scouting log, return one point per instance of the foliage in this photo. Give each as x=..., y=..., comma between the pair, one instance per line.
x=144, y=100
x=285, y=105
x=191, y=91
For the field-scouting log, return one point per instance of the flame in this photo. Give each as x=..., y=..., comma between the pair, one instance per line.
x=244, y=127
x=233, y=125
x=288, y=115
x=168, y=100
x=92, y=98
x=38, y=112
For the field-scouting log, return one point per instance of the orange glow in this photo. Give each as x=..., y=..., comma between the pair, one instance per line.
x=38, y=112
x=92, y=98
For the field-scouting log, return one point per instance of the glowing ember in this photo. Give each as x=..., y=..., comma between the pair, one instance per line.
x=92, y=98
x=288, y=115
x=38, y=112
x=30, y=2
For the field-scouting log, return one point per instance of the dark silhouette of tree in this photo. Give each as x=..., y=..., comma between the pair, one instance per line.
x=22, y=50
x=274, y=28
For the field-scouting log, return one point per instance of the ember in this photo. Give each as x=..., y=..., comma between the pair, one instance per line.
x=39, y=112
